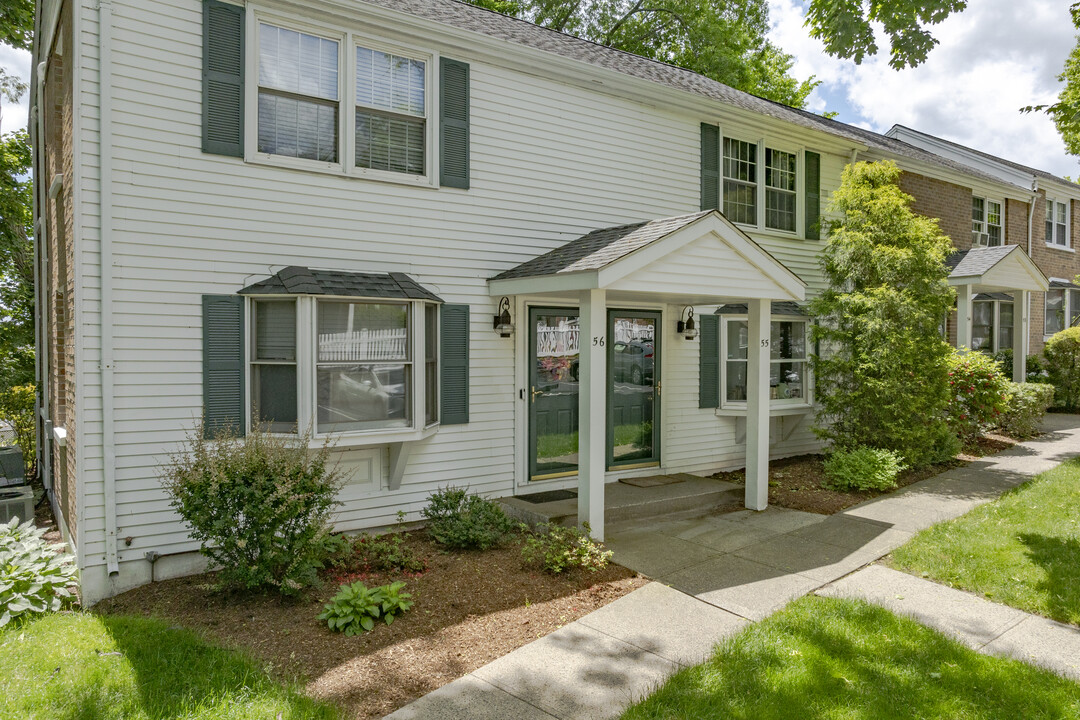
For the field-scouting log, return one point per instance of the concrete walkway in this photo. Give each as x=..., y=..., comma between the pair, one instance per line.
x=975, y=621
x=716, y=574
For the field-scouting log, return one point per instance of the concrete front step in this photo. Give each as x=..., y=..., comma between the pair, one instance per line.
x=627, y=502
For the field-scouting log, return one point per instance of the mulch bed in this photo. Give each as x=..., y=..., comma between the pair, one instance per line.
x=797, y=482
x=471, y=608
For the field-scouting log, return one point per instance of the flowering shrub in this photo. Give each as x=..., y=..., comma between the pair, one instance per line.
x=556, y=548
x=1027, y=405
x=978, y=393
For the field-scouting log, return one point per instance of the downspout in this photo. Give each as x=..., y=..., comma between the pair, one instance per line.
x=105, y=160
x=1031, y=210
x=41, y=274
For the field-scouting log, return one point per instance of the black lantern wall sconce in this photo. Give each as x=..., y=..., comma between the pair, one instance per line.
x=687, y=328
x=504, y=325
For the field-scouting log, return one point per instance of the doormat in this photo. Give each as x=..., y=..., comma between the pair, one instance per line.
x=548, y=496
x=652, y=480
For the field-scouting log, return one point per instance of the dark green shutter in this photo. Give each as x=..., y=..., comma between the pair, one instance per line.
x=709, y=362
x=453, y=124
x=454, y=365
x=710, y=167
x=813, y=196
x=223, y=363
x=223, y=78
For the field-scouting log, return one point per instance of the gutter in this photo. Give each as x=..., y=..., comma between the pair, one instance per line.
x=105, y=137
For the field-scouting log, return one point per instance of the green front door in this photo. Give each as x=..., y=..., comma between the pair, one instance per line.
x=633, y=412
x=553, y=392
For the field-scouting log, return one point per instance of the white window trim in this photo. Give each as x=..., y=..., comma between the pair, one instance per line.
x=776, y=405
x=986, y=220
x=348, y=40
x=307, y=372
x=1067, y=245
x=800, y=183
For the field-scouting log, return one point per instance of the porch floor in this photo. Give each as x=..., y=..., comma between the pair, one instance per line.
x=626, y=502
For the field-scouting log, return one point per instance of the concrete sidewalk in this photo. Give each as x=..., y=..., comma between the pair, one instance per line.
x=975, y=621
x=716, y=574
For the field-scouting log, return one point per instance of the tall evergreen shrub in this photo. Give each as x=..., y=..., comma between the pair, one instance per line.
x=880, y=362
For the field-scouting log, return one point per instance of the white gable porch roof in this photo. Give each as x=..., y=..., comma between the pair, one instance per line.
x=701, y=258
x=996, y=269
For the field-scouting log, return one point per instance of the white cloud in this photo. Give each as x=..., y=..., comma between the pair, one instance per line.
x=16, y=62
x=994, y=58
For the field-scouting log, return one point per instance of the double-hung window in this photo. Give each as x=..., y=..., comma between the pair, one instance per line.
x=306, y=83
x=298, y=94
x=1062, y=310
x=391, y=112
x=1057, y=223
x=346, y=365
x=788, y=361
x=986, y=223
x=760, y=185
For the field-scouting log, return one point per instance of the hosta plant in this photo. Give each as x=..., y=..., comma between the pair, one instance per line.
x=356, y=607
x=34, y=575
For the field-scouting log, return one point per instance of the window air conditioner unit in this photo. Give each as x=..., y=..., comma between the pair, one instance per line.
x=16, y=502
x=980, y=238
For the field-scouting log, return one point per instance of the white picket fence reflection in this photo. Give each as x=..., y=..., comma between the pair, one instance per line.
x=389, y=344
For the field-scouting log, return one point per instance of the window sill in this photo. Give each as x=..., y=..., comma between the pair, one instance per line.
x=379, y=437
x=1062, y=248
x=337, y=170
x=774, y=410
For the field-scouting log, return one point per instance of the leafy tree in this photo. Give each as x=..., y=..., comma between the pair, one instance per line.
x=16, y=262
x=17, y=23
x=845, y=27
x=881, y=373
x=721, y=39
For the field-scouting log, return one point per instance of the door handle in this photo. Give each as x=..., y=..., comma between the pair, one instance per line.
x=536, y=392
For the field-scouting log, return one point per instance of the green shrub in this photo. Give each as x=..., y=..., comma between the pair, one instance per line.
x=1028, y=403
x=356, y=608
x=17, y=409
x=1036, y=369
x=457, y=519
x=978, y=393
x=863, y=468
x=880, y=373
x=259, y=505
x=556, y=548
x=1004, y=358
x=34, y=576
x=1062, y=353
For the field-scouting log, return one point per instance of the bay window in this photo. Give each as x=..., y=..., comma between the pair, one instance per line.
x=349, y=366
x=760, y=185
x=1062, y=308
x=788, y=361
x=1057, y=223
x=992, y=323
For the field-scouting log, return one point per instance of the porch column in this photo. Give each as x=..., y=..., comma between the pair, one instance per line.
x=592, y=410
x=963, y=316
x=757, y=404
x=1021, y=328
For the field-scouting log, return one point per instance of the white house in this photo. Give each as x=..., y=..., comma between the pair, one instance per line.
x=468, y=247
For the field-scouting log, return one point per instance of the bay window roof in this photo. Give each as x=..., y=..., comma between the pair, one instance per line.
x=1063, y=285
x=295, y=280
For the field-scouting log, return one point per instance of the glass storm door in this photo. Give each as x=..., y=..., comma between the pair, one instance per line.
x=633, y=426
x=553, y=392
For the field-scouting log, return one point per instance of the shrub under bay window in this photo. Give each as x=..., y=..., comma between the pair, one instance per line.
x=361, y=376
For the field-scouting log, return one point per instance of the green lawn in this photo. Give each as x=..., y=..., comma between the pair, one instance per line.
x=824, y=658
x=1023, y=549
x=78, y=665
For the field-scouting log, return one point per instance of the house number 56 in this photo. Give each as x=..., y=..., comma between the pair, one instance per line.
x=598, y=341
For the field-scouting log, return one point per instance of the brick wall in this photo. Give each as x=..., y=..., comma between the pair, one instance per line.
x=59, y=247
x=949, y=203
x=1054, y=262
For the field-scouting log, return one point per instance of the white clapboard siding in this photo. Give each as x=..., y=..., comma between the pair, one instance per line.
x=549, y=162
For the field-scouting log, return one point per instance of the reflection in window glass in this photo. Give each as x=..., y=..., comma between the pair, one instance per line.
x=391, y=126
x=788, y=361
x=1005, y=326
x=982, y=326
x=1055, y=312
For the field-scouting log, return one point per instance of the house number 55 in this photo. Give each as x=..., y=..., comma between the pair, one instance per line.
x=598, y=341
x=765, y=343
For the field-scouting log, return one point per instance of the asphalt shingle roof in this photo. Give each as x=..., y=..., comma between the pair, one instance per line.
x=599, y=247
x=976, y=261
x=464, y=16
x=778, y=308
x=1064, y=284
x=295, y=280
x=988, y=156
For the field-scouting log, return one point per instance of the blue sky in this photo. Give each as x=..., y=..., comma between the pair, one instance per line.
x=994, y=58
